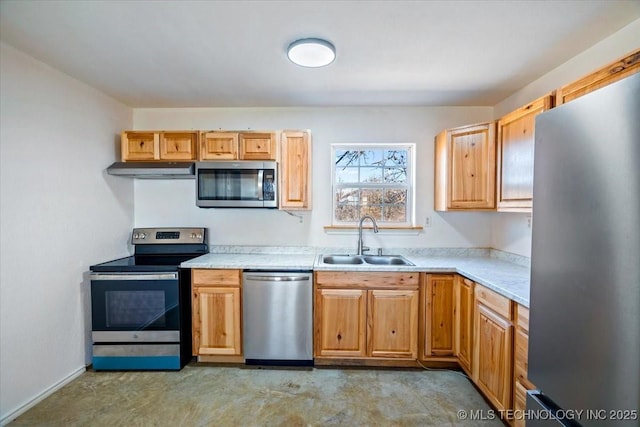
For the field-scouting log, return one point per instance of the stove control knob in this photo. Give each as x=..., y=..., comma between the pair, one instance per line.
x=199, y=236
x=143, y=236
x=193, y=235
x=136, y=236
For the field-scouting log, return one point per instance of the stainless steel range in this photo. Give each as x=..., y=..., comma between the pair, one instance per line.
x=141, y=304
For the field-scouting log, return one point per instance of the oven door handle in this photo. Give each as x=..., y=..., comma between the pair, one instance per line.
x=133, y=276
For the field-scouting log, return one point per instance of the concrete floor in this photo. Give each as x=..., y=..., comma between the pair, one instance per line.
x=205, y=395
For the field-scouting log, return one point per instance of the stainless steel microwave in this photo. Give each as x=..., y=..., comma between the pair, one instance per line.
x=237, y=184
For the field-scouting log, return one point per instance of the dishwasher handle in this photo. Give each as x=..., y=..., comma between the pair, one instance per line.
x=277, y=278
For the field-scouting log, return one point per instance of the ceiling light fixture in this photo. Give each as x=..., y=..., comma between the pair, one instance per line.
x=311, y=52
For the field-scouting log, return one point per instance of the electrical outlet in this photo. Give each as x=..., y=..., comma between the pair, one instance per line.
x=427, y=222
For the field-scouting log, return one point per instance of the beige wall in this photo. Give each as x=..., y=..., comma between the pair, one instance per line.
x=59, y=214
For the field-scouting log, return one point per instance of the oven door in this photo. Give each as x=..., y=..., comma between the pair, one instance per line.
x=135, y=307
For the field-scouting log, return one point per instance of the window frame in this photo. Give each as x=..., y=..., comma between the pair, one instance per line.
x=410, y=185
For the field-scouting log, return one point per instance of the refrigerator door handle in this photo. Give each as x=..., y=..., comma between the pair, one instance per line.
x=556, y=413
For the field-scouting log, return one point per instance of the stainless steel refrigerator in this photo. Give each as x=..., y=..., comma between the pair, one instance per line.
x=584, y=343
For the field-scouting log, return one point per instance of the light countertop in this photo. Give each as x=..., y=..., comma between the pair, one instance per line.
x=507, y=278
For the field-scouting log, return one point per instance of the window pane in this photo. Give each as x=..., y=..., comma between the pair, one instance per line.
x=395, y=213
x=347, y=212
x=374, y=211
x=397, y=158
x=346, y=174
x=348, y=158
x=395, y=175
x=395, y=196
x=371, y=197
x=370, y=175
x=348, y=195
x=371, y=158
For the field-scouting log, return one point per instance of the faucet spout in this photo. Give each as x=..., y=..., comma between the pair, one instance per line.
x=361, y=247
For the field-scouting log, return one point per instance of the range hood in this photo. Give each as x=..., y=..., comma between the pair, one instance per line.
x=153, y=170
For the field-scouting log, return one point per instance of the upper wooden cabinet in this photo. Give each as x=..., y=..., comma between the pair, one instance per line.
x=159, y=145
x=515, y=156
x=257, y=145
x=225, y=145
x=465, y=168
x=608, y=74
x=218, y=146
x=295, y=170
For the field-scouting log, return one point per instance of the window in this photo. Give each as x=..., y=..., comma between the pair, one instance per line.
x=374, y=180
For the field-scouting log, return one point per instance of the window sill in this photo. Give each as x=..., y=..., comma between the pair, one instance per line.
x=389, y=230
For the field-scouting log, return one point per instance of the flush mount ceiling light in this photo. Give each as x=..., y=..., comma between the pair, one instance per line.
x=311, y=52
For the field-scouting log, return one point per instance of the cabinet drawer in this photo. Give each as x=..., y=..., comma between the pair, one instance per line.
x=211, y=277
x=353, y=279
x=496, y=302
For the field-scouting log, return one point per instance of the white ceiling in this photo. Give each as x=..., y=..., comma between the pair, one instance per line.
x=232, y=53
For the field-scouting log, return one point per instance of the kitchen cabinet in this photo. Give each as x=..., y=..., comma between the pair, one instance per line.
x=515, y=156
x=232, y=145
x=365, y=316
x=521, y=381
x=218, y=146
x=463, y=329
x=216, y=314
x=257, y=145
x=437, y=316
x=159, y=145
x=295, y=170
x=465, y=168
x=492, y=347
x=606, y=75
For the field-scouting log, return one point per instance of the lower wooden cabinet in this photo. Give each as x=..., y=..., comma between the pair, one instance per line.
x=376, y=317
x=437, y=317
x=492, y=347
x=216, y=312
x=521, y=381
x=463, y=330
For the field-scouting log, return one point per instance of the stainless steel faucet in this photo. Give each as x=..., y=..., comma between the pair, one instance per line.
x=361, y=247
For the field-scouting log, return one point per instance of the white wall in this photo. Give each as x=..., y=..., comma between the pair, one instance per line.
x=510, y=231
x=170, y=203
x=60, y=213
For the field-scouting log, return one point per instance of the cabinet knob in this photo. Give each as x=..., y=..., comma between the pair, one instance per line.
x=339, y=337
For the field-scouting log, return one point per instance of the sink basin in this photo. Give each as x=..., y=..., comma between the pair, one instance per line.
x=366, y=259
x=386, y=260
x=342, y=259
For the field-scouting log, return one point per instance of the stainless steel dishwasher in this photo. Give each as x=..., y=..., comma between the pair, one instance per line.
x=277, y=313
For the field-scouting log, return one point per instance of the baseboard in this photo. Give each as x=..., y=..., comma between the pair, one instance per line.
x=43, y=395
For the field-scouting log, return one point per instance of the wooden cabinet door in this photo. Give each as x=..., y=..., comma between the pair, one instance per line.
x=393, y=323
x=257, y=146
x=493, y=338
x=136, y=146
x=439, y=315
x=611, y=73
x=465, y=168
x=218, y=146
x=216, y=321
x=295, y=170
x=464, y=323
x=519, y=405
x=515, y=156
x=178, y=145
x=340, y=322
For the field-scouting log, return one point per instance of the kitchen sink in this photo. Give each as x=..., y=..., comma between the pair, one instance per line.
x=342, y=259
x=386, y=260
x=371, y=260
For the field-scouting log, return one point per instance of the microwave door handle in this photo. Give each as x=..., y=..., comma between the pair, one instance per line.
x=260, y=184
